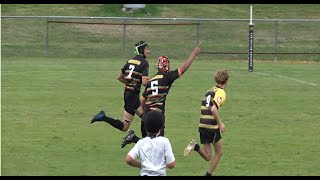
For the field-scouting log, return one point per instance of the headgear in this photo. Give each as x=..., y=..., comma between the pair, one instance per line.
x=139, y=47
x=163, y=64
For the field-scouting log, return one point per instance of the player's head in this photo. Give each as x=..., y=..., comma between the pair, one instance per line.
x=221, y=76
x=153, y=121
x=141, y=47
x=163, y=64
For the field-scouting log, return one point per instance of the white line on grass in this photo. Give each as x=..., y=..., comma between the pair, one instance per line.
x=293, y=79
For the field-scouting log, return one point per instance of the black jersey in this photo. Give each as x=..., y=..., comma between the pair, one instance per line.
x=158, y=88
x=134, y=69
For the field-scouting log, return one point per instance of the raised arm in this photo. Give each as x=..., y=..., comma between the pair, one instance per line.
x=186, y=64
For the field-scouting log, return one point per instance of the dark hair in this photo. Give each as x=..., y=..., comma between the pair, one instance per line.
x=153, y=121
x=140, y=46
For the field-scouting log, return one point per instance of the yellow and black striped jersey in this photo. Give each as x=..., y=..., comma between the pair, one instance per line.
x=215, y=96
x=134, y=69
x=157, y=90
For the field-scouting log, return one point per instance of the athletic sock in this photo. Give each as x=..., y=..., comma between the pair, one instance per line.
x=135, y=139
x=196, y=147
x=116, y=123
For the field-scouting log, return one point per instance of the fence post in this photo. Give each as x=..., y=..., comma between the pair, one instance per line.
x=47, y=36
x=124, y=39
x=276, y=40
x=198, y=32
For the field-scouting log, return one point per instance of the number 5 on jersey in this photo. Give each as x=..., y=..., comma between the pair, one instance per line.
x=154, y=87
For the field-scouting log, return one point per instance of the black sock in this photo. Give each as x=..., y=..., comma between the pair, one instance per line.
x=135, y=139
x=208, y=174
x=196, y=147
x=115, y=123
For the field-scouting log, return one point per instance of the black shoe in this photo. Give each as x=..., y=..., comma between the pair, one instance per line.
x=101, y=116
x=128, y=139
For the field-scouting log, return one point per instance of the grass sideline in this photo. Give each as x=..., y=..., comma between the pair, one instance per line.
x=271, y=118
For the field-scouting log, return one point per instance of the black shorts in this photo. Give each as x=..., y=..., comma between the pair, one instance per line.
x=208, y=136
x=131, y=101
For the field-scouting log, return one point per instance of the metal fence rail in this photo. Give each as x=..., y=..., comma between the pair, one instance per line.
x=272, y=36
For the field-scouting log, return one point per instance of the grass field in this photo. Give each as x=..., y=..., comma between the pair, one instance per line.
x=271, y=117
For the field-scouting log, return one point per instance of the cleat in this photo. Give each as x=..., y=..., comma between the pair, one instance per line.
x=189, y=148
x=128, y=139
x=101, y=116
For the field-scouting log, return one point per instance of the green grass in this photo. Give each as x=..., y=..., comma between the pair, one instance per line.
x=271, y=117
x=27, y=37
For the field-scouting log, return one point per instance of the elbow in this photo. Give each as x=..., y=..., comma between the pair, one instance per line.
x=120, y=77
x=129, y=160
x=171, y=165
x=144, y=82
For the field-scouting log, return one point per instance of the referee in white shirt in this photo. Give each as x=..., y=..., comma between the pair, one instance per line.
x=154, y=151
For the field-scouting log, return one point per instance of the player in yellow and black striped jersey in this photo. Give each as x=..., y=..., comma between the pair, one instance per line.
x=211, y=125
x=215, y=96
x=157, y=89
x=133, y=74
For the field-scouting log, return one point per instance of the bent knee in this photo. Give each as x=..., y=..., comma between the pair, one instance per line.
x=208, y=157
x=126, y=124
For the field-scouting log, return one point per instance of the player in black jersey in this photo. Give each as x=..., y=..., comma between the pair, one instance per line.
x=133, y=74
x=157, y=89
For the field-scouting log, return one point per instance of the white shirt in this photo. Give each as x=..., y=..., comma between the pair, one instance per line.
x=155, y=154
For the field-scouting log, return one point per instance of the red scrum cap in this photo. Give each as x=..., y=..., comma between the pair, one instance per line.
x=163, y=64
